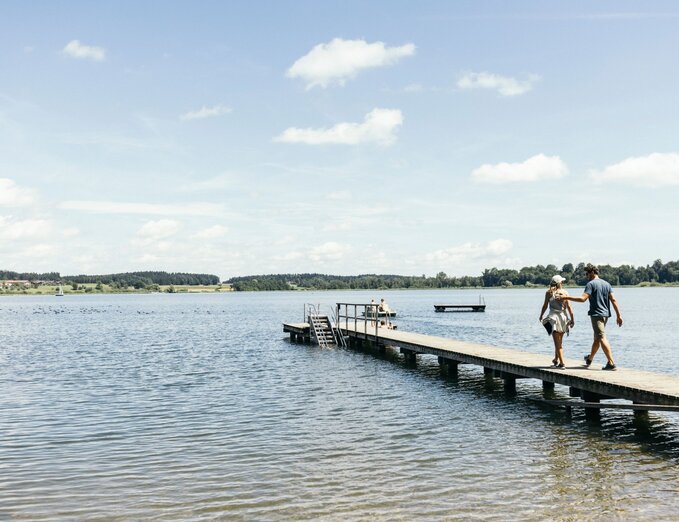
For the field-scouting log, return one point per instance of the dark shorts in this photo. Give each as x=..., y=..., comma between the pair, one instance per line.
x=599, y=325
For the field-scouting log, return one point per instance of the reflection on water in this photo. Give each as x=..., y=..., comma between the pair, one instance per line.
x=176, y=407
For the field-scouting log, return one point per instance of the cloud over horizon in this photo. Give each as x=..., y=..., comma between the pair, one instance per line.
x=504, y=85
x=12, y=195
x=379, y=126
x=340, y=60
x=75, y=49
x=112, y=207
x=536, y=168
x=205, y=112
x=654, y=170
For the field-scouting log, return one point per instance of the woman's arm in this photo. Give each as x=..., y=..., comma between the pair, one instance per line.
x=570, y=313
x=544, y=306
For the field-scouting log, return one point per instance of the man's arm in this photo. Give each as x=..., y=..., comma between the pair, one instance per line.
x=616, y=308
x=580, y=299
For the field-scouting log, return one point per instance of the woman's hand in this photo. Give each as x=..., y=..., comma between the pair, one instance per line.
x=571, y=323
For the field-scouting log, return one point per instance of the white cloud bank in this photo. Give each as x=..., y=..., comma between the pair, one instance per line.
x=537, y=168
x=12, y=195
x=471, y=251
x=504, y=85
x=111, y=207
x=654, y=170
x=379, y=126
x=156, y=230
x=11, y=229
x=212, y=232
x=205, y=112
x=75, y=49
x=339, y=60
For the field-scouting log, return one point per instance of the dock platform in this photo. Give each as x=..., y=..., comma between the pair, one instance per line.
x=646, y=390
x=460, y=308
x=591, y=384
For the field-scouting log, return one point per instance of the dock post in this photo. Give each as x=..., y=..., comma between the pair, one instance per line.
x=547, y=386
x=510, y=384
x=448, y=366
x=409, y=355
x=593, y=414
x=640, y=415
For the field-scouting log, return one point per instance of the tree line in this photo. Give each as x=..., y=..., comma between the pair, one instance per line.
x=136, y=279
x=539, y=275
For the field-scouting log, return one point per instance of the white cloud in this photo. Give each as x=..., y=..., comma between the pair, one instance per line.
x=329, y=251
x=205, y=112
x=464, y=259
x=537, y=168
x=221, y=182
x=379, y=126
x=213, y=232
x=339, y=60
x=70, y=232
x=504, y=85
x=111, y=207
x=413, y=87
x=84, y=52
x=11, y=195
x=654, y=170
x=339, y=195
x=467, y=251
x=13, y=230
x=157, y=230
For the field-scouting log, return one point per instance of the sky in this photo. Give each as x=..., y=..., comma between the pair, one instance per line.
x=340, y=137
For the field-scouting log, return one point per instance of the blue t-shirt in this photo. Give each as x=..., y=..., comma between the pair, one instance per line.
x=599, y=297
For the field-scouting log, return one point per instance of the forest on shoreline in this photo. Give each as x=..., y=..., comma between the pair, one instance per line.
x=657, y=273
x=136, y=280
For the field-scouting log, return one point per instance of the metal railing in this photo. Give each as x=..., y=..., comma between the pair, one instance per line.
x=350, y=311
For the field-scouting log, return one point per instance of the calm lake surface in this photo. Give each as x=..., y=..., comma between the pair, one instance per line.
x=198, y=407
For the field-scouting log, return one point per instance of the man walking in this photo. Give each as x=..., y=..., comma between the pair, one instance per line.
x=600, y=296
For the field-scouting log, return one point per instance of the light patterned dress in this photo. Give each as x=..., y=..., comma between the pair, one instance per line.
x=557, y=314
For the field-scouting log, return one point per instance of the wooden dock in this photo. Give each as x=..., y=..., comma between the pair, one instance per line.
x=645, y=390
x=591, y=384
x=460, y=307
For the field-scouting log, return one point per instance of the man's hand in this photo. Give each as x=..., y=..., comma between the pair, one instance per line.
x=619, y=320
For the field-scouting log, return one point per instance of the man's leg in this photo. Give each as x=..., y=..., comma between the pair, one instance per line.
x=595, y=347
x=606, y=347
x=599, y=327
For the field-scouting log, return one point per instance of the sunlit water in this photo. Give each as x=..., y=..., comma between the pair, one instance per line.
x=198, y=407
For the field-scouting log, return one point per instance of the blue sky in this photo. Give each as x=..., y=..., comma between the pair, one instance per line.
x=339, y=137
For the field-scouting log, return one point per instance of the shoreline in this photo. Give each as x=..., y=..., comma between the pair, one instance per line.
x=221, y=289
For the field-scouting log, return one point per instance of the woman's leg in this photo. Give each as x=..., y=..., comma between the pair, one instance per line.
x=558, y=348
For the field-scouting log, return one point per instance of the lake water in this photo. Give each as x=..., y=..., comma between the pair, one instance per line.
x=198, y=407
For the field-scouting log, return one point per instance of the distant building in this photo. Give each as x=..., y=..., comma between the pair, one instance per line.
x=9, y=283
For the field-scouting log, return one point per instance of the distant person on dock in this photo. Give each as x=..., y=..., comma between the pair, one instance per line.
x=600, y=295
x=560, y=318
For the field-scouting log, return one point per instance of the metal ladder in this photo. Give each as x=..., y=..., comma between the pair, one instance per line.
x=322, y=330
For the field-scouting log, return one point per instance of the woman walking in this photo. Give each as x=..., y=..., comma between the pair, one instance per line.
x=559, y=319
